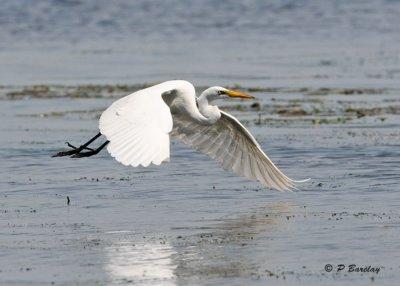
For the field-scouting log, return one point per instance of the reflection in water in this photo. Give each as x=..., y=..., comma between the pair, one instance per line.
x=145, y=264
x=226, y=250
x=259, y=220
x=230, y=248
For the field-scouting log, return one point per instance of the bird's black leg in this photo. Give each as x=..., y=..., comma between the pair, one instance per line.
x=73, y=147
x=76, y=150
x=91, y=152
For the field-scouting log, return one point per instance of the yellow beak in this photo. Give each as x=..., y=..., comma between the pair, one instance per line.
x=238, y=94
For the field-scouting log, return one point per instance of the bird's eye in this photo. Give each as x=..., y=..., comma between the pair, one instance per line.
x=220, y=92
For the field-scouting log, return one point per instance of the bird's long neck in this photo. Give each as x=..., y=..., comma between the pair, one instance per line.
x=211, y=112
x=181, y=95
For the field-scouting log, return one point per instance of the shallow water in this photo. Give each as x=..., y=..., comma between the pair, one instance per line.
x=190, y=222
x=258, y=43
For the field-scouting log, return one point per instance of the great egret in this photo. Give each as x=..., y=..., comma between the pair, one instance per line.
x=138, y=128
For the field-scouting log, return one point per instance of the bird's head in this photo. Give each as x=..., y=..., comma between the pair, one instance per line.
x=217, y=92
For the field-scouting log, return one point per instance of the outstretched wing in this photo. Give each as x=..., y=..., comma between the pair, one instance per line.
x=138, y=127
x=232, y=145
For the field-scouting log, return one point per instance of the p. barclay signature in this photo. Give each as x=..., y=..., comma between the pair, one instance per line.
x=352, y=268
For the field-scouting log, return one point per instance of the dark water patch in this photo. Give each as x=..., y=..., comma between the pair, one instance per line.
x=117, y=90
x=345, y=91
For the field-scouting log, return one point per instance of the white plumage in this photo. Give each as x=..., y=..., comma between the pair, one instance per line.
x=139, y=127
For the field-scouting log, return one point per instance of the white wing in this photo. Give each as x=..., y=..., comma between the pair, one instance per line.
x=138, y=127
x=232, y=145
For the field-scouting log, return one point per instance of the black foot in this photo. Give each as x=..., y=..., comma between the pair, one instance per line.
x=82, y=147
x=84, y=154
x=91, y=152
x=70, y=145
x=75, y=150
x=66, y=153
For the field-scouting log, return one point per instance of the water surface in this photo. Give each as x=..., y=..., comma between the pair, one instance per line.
x=326, y=76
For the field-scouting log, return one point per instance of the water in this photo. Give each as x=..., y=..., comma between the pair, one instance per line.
x=328, y=108
x=259, y=43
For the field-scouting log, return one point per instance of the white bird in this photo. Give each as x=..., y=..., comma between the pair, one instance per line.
x=138, y=128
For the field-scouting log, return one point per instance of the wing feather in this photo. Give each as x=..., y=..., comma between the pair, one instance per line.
x=138, y=127
x=232, y=145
